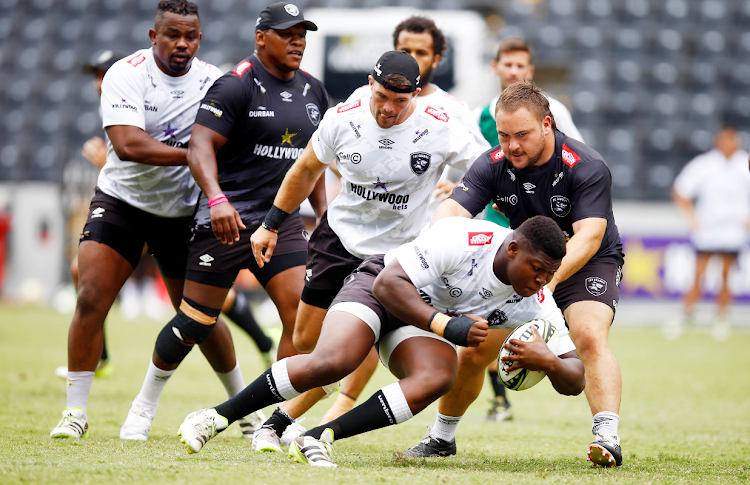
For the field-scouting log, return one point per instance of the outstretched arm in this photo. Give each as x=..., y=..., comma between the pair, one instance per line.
x=586, y=240
x=132, y=144
x=449, y=208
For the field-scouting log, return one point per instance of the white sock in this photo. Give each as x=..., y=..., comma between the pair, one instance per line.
x=153, y=385
x=605, y=423
x=232, y=380
x=281, y=379
x=79, y=387
x=396, y=400
x=445, y=427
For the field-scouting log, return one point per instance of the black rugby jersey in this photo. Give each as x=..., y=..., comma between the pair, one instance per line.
x=267, y=122
x=575, y=184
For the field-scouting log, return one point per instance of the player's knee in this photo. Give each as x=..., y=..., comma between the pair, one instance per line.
x=304, y=341
x=192, y=325
x=475, y=358
x=90, y=303
x=590, y=345
x=331, y=369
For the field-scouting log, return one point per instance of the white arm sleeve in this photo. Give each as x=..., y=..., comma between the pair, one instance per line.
x=323, y=140
x=689, y=180
x=463, y=148
x=564, y=120
x=122, y=98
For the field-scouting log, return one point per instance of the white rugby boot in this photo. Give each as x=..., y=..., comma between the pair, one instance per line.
x=138, y=422
x=306, y=449
x=199, y=427
x=72, y=425
x=266, y=439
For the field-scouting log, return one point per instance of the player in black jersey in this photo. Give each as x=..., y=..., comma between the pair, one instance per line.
x=537, y=170
x=251, y=126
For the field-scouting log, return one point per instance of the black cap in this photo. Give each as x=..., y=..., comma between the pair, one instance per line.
x=282, y=15
x=397, y=62
x=102, y=62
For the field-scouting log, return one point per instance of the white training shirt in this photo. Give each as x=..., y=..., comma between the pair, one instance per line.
x=720, y=188
x=135, y=92
x=563, y=119
x=387, y=175
x=451, y=265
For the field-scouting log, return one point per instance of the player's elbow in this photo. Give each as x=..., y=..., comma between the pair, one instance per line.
x=381, y=286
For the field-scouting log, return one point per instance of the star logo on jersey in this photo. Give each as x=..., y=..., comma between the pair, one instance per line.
x=169, y=132
x=380, y=185
x=286, y=96
x=529, y=187
x=287, y=137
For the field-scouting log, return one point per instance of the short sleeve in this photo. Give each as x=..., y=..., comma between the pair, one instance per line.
x=437, y=251
x=463, y=148
x=477, y=187
x=323, y=140
x=122, y=97
x=564, y=121
x=223, y=105
x=591, y=191
x=688, y=181
x=468, y=119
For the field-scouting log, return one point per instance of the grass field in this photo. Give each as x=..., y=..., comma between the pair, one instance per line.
x=685, y=418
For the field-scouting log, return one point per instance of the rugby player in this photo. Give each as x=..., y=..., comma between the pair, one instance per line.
x=538, y=170
x=445, y=288
x=145, y=194
x=250, y=127
x=419, y=37
x=513, y=62
x=391, y=149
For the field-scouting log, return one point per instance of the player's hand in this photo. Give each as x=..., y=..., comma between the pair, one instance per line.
x=263, y=243
x=532, y=355
x=478, y=331
x=226, y=223
x=95, y=151
x=444, y=189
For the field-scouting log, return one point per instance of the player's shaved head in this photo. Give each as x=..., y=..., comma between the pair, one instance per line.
x=525, y=94
x=542, y=234
x=179, y=7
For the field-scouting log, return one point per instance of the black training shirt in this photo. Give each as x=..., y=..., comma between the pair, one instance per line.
x=267, y=122
x=575, y=184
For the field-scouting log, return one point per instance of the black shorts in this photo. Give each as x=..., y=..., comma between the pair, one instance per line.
x=126, y=229
x=212, y=263
x=596, y=281
x=358, y=289
x=720, y=252
x=328, y=264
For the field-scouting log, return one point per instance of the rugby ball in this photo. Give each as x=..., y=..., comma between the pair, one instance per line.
x=521, y=379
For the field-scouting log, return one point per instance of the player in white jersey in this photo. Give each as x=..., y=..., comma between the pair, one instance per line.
x=419, y=37
x=145, y=195
x=391, y=149
x=447, y=287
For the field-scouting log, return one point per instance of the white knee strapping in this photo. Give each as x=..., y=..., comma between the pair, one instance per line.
x=397, y=401
x=281, y=377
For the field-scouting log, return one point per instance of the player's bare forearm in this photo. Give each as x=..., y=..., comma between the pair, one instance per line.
x=317, y=197
x=584, y=244
x=567, y=374
x=299, y=181
x=397, y=293
x=132, y=144
x=450, y=208
x=201, y=158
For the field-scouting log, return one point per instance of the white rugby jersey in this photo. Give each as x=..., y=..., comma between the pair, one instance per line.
x=451, y=265
x=387, y=175
x=136, y=92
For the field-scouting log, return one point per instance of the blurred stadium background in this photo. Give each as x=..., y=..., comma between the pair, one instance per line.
x=648, y=83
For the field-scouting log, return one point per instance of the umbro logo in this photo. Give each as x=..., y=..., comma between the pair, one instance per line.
x=386, y=143
x=177, y=94
x=97, y=212
x=529, y=187
x=286, y=96
x=205, y=260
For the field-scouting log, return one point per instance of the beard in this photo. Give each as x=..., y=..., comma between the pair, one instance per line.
x=535, y=154
x=426, y=77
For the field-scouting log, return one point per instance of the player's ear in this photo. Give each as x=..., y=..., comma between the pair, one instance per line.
x=260, y=38
x=436, y=61
x=513, y=249
x=152, y=36
x=370, y=79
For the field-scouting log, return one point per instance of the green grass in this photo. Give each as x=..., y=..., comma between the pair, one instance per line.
x=685, y=418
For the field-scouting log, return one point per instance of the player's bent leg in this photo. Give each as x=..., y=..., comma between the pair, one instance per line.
x=352, y=387
x=285, y=289
x=589, y=323
x=308, y=326
x=345, y=342
x=102, y=272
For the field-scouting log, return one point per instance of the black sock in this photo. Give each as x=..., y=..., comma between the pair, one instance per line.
x=104, y=348
x=497, y=385
x=375, y=413
x=259, y=394
x=241, y=315
x=279, y=420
